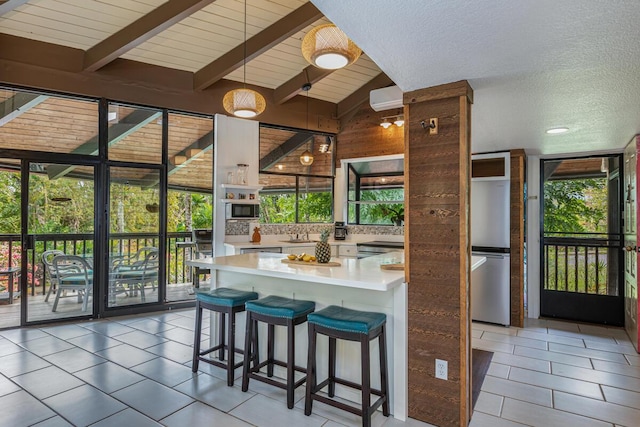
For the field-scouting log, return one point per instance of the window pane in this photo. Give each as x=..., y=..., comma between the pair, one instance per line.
x=280, y=151
x=63, y=205
x=277, y=199
x=135, y=134
x=315, y=200
x=189, y=198
x=190, y=152
x=32, y=121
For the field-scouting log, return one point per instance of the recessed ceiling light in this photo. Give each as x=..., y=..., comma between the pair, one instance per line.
x=554, y=131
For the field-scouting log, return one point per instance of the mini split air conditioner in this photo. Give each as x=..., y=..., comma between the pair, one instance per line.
x=386, y=98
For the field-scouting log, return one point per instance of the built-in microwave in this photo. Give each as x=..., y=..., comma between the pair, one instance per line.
x=242, y=211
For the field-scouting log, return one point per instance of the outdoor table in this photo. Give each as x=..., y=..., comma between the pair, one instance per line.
x=11, y=273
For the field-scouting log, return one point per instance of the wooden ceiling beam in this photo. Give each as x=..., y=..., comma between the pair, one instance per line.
x=139, y=31
x=362, y=94
x=291, y=88
x=282, y=150
x=8, y=6
x=256, y=45
x=42, y=65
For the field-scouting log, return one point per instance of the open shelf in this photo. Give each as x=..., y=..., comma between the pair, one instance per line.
x=242, y=187
x=242, y=201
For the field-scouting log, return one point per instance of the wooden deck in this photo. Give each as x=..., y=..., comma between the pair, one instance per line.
x=39, y=310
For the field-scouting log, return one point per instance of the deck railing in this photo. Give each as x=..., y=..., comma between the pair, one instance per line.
x=178, y=251
x=581, y=263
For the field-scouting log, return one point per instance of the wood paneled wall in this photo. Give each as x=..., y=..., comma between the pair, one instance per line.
x=362, y=135
x=437, y=177
x=518, y=162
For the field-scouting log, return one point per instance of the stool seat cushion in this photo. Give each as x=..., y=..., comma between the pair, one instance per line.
x=285, y=308
x=226, y=297
x=347, y=320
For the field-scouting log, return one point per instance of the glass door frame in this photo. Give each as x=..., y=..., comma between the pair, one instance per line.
x=28, y=239
x=104, y=308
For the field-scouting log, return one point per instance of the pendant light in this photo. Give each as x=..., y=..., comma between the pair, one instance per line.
x=327, y=46
x=244, y=102
x=306, y=158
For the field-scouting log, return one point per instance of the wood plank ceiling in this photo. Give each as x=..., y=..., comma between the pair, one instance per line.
x=204, y=37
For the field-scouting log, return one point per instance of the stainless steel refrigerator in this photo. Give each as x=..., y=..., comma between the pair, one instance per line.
x=490, y=238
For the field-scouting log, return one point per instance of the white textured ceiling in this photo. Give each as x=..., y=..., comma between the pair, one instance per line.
x=533, y=64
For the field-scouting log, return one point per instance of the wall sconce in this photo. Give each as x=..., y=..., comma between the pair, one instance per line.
x=397, y=120
x=280, y=167
x=325, y=147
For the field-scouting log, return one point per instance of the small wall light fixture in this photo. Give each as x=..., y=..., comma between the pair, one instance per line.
x=389, y=120
x=385, y=123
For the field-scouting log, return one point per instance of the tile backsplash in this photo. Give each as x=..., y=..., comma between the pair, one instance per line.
x=238, y=228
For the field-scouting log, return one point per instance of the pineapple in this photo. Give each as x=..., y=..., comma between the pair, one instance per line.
x=323, y=248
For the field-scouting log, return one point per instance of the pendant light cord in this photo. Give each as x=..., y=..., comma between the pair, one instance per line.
x=244, y=56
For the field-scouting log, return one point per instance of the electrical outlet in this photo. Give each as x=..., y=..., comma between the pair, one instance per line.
x=442, y=368
x=433, y=130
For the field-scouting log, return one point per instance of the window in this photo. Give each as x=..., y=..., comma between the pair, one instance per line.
x=293, y=192
x=375, y=192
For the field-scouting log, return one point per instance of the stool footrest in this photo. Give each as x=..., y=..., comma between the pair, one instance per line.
x=340, y=381
x=276, y=362
x=218, y=347
x=218, y=363
x=336, y=404
x=276, y=383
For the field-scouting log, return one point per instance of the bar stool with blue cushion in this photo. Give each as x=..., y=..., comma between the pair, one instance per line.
x=224, y=301
x=274, y=310
x=352, y=325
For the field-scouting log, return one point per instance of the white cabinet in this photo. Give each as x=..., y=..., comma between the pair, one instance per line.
x=348, y=251
x=491, y=167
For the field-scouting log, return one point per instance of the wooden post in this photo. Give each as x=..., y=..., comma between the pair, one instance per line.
x=437, y=182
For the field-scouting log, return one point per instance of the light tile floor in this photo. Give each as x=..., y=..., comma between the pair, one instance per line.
x=136, y=371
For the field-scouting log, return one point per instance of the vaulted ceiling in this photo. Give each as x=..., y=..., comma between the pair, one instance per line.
x=201, y=37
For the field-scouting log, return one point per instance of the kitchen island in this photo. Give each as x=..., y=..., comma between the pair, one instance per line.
x=359, y=284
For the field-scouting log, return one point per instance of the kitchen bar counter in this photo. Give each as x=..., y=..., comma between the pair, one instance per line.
x=359, y=284
x=353, y=273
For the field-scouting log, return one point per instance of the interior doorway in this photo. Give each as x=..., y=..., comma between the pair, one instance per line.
x=581, y=250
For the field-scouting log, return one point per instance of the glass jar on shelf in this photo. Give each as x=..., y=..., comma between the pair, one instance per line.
x=242, y=170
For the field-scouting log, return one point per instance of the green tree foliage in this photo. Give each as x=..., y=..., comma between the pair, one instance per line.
x=575, y=205
x=9, y=202
x=380, y=213
x=280, y=208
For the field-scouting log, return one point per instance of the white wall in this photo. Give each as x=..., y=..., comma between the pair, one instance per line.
x=234, y=141
x=533, y=236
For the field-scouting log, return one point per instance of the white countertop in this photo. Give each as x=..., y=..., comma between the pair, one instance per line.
x=354, y=273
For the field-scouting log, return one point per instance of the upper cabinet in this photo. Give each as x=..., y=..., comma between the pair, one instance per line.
x=491, y=167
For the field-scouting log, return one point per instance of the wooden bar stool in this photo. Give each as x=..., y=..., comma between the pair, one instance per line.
x=352, y=325
x=274, y=310
x=224, y=301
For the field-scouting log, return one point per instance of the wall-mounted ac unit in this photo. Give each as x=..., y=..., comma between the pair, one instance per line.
x=386, y=98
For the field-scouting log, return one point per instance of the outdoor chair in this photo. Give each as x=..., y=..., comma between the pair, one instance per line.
x=47, y=260
x=138, y=275
x=73, y=273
